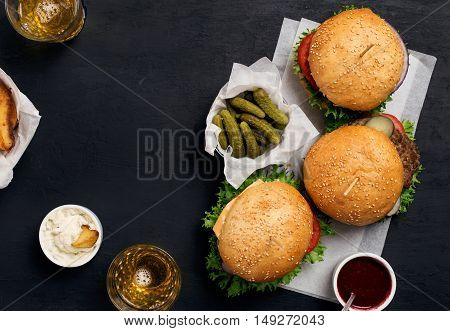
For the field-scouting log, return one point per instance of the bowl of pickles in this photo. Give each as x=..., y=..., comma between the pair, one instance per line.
x=250, y=124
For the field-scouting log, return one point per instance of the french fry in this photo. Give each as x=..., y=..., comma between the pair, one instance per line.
x=87, y=238
x=8, y=119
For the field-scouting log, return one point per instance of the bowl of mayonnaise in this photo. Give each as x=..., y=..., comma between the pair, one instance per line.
x=70, y=235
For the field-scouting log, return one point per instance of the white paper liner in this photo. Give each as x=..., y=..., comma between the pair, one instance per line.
x=299, y=132
x=28, y=122
x=315, y=280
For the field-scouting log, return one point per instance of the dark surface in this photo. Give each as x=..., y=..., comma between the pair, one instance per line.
x=177, y=55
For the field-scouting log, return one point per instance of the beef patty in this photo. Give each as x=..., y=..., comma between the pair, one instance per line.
x=406, y=148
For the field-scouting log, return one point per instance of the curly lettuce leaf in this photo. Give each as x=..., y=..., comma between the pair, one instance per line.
x=409, y=129
x=316, y=255
x=325, y=227
x=234, y=285
x=345, y=8
x=336, y=116
x=407, y=196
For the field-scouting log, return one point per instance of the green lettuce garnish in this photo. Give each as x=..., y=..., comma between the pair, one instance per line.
x=345, y=8
x=336, y=116
x=234, y=285
x=407, y=196
x=409, y=129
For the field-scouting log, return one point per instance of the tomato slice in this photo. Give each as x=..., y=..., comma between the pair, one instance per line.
x=397, y=123
x=303, y=54
x=315, y=235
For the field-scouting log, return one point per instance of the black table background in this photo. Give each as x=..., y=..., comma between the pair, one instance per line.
x=177, y=55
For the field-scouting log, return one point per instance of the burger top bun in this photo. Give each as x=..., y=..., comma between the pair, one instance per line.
x=356, y=59
x=266, y=232
x=354, y=174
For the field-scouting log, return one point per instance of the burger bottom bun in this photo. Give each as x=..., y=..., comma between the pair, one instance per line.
x=266, y=233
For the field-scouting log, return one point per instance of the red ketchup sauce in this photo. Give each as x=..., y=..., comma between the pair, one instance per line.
x=368, y=279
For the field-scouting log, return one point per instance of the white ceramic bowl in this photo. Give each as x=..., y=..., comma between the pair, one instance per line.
x=380, y=260
x=87, y=257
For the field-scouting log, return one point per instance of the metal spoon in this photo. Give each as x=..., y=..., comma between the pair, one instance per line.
x=349, y=302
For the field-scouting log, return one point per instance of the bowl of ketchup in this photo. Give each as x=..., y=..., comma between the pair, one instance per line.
x=367, y=275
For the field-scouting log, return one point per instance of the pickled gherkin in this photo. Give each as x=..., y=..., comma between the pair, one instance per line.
x=233, y=133
x=271, y=110
x=223, y=141
x=260, y=138
x=279, y=126
x=262, y=125
x=230, y=108
x=247, y=107
x=248, y=95
x=252, y=147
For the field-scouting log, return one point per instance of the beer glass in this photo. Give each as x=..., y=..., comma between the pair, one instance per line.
x=143, y=277
x=46, y=20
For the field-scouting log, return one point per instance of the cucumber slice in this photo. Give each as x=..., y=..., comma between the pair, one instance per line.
x=382, y=124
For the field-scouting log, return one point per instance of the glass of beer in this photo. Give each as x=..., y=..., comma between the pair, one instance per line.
x=46, y=20
x=143, y=277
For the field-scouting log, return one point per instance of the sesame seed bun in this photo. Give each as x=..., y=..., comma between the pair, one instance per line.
x=354, y=174
x=266, y=232
x=356, y=59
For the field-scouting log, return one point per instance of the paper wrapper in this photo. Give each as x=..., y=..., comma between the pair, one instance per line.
x=297, y=136
x=315, y=280
x=29, y=119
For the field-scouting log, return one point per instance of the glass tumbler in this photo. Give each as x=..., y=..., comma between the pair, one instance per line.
x=143, y=277
x=46, y=20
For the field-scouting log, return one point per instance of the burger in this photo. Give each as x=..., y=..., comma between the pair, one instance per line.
x=362, y=172
x=351, y=64
x=262, y=232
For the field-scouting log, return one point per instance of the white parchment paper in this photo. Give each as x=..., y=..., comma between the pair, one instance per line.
x=28, y=122
x=315, y=280
x=297, y=136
